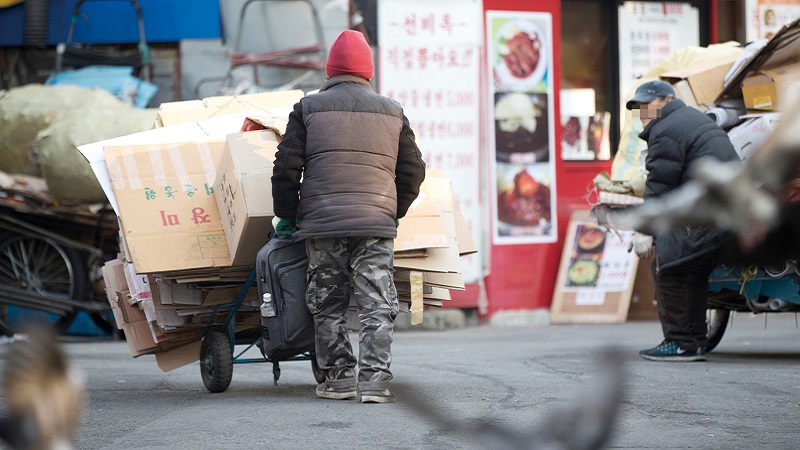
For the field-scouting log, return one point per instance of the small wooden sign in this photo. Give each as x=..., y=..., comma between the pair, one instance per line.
x=596, y=274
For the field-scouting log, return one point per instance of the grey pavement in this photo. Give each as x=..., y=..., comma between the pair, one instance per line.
x=746, y=396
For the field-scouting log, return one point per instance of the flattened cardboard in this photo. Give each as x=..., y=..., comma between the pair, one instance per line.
x=131, y=313
x=180, y=356
x=242, y=192
x=172, y=113
x=139, y=338
x=138, y=284
x=420, y=232
x=167, y=209
x=178, y=294
x=445, y=280
x=466, y=243
x=114, y=279
x=438, y=260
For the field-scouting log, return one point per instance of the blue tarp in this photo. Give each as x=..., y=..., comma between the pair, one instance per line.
x=117, y=80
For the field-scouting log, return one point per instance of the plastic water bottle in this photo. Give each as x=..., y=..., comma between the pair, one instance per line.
x=267, y=307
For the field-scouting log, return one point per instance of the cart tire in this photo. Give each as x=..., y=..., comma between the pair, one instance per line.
x=34, y=264
x=216, y=362
x=319, y=374
x=717, y=319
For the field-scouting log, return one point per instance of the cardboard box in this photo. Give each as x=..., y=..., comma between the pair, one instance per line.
x=766, y=89
x=114, y=279
x=215, y=129
x=243, y=195
x=748, y=136
x=164, y=193
x=172, y=113
x=684, y=92
x=706, y=79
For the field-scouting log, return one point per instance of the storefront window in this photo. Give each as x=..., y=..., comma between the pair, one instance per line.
x=586, y=81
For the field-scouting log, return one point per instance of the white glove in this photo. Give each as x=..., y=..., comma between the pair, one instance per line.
x=642, y=245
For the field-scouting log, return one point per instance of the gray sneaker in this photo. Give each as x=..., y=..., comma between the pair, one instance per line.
x=384, y=396
x=325, y=390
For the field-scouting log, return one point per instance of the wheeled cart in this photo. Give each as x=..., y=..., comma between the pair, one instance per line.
x=218, y=353
x=754, y=289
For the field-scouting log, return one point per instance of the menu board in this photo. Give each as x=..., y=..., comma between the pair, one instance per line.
x=521, y=126
x=648, y=33
x=596, y=275
x=429, y=61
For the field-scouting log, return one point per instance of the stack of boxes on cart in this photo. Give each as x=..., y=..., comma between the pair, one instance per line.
x=744, y=91
x=194, y=205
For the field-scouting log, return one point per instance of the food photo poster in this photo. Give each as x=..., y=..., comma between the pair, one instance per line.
x=521, y=129
x=599, y=259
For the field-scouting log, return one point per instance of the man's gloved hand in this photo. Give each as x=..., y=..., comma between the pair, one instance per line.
x=642, y=245
x=284, y=227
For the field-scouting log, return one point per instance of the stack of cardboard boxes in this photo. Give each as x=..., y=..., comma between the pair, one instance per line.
x=194, y=203
x=751, y=90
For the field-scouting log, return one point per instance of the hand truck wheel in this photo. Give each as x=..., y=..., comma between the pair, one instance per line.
x=717, y=319
x=216, y=362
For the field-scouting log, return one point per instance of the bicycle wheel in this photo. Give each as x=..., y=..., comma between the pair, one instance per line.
x=41, y=265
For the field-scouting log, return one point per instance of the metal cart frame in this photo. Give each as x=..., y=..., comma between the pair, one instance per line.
x=218, y=355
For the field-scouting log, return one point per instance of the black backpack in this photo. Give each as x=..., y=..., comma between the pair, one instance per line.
x=282, y=266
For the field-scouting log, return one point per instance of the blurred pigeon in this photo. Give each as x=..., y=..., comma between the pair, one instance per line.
x=586, y=422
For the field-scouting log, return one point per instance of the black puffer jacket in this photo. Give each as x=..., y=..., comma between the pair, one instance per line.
x=358, y=159
x=675, y=141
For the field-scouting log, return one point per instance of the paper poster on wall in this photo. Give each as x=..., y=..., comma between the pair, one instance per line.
x=765, y=17
x=429, y=61
x=648, y=33
x=521, y=126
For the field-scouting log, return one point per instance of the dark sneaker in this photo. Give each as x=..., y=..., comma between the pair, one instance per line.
x=672, y=351
x=384, y=396
x=325, y=390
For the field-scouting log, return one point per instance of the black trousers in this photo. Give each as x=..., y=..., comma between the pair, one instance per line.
x=682, y=299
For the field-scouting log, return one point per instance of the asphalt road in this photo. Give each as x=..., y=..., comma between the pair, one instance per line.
x=746, y=396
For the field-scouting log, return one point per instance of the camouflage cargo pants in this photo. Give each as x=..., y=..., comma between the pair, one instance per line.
x=362, y=267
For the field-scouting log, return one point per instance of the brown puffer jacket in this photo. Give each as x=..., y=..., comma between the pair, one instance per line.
x=359, y=163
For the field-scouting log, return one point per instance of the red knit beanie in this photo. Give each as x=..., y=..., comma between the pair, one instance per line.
x=350, y=55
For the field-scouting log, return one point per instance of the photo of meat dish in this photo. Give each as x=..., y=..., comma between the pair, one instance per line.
x=523, y=54
x=527, y=203
x=520, y=56
x=571, y=131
